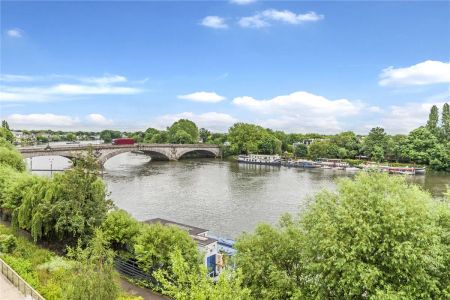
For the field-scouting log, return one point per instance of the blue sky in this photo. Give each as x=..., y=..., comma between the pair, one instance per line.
x=298, y=66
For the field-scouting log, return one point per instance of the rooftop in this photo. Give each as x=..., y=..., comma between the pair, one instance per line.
x=194, y=232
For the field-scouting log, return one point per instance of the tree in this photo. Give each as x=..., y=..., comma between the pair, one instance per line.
x=376, y=137
x=269, y=260
x=183, y=125
x=155, y=242
x=269, y=144
x=71, y=137
x=108, y=135
x=377, y=154
x=446, y=121
x=324, y=149
x=5, y=124
x=6, y=134
x=204, y=134
x=376, y=237
x=300, y=150
x=244, y=138
x=42, y=139
x=421, y=144
x=93, y=276
x=182, y=137
x=73, y=204
x=186, y=283
x=433, y=120
x=349, y=141
x=149, y=134
x=160, y=138
x=10, y=156
x=120, y=229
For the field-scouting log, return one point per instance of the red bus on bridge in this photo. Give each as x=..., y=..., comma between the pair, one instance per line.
x=123, y=141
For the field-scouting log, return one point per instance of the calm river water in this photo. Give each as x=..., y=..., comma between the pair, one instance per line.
x=225, y=197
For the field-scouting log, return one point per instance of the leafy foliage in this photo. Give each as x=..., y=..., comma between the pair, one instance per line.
x=120, y=229
x=377, y=237
x=155, y=242
x=183, y=131
x=7, y=243
x=185, y=282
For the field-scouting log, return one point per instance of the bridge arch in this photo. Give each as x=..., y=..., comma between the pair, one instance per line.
x=199, y=152
x=155, y=155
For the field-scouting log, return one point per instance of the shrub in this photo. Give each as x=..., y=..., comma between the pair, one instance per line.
x=8, y=243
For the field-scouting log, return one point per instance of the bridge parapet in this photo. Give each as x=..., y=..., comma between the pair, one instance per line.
x=105, y=151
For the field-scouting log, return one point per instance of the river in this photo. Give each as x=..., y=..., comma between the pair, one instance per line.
x=225, y=197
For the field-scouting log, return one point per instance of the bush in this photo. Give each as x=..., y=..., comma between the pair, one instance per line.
x=8, y=243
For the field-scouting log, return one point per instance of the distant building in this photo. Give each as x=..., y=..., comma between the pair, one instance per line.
x=208, y=246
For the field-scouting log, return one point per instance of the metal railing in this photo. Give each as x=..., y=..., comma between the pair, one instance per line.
x=18, y=281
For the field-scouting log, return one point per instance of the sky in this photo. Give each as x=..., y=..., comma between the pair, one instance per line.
x=298, y=66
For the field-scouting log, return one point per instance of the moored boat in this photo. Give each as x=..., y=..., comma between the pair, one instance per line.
x=258, y=159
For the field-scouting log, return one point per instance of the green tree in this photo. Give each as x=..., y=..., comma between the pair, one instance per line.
x=182, y=137
x=377, y=154
x=6, y=134
x=269, y=144
x=155, y=242
x=323, y=149
x=446, y=121
x=421, y=145
x=300, y=150
x=376, y=237
x=433, y=120
x=42, y=139
x=5, y=124
x=10, y=156
x=270, y=261
x=74, y=204
x=183, y=125
x=204, y=135
x=71, y=137
x=160, y=138
x=185, y=283
x=376, y=137
x=93, y=276
x=108, y=135
x=349, y=141
x=120, y=229
x=244, y=138
x=149, y=133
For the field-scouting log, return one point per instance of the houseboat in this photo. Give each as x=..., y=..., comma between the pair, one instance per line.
x=258, y=159
x=328, y=163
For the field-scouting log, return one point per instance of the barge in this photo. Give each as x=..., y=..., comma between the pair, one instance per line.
x=258, y=159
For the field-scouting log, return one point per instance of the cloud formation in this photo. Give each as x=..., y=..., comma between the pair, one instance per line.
x=60, y=91
x=301, y=112
x=53, y=121
x=267, y=17
x=424, y=73
x=207, y=97
x=214, y=22
x=98, y=119
x=14, y=32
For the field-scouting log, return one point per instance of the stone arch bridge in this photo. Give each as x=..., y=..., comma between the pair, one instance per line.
x=103, y=152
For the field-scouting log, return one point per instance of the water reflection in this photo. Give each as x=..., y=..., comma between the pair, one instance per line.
x=223, y=196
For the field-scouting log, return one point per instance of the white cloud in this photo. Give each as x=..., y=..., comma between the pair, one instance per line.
x=60, y=91
x=105, y=80
x=302, y=112
x=15, y=78
x=242, y=2
x=404, y=118
x=255, y=21
x=41, y=120
x=98, y=119
x=299, y=102
x=263, y=19
x=214, y=22
x=209, y=97
x=424, y=73
x=15, y=33
x=211, y=120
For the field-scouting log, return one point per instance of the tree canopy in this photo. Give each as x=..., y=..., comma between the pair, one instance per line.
x=376, y=237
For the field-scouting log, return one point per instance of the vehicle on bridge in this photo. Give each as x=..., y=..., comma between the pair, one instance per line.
x=123, y=141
